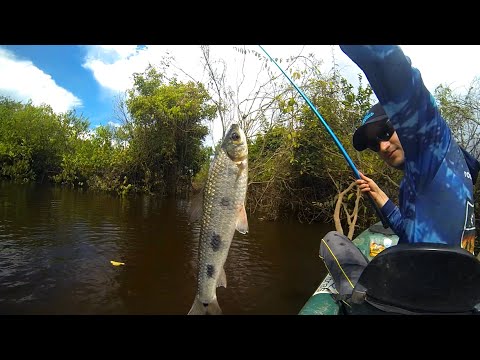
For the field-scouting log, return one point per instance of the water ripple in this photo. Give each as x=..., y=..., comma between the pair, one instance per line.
x=56, y=248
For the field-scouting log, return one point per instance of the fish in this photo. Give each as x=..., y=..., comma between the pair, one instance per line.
x=222, y=213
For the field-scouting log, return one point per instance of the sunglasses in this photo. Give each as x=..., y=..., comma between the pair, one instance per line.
x=384, y=133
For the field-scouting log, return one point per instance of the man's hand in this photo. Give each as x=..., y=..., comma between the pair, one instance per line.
x=368, y=185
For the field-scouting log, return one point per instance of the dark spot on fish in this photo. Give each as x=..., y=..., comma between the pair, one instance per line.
x=205, y=304
x=215, y=241
x=225, y=201
x=210, y=270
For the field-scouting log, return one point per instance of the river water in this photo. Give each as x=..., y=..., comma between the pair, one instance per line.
x=57, y=244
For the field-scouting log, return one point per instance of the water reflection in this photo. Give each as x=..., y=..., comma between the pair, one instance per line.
x=56, y=245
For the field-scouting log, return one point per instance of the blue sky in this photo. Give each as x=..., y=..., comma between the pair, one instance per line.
x=66, y=67
x=89, y=78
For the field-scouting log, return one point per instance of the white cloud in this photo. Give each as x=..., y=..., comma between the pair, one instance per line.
x=114, y=124
x=454, y=65
x=113, y=65
x=22, y=81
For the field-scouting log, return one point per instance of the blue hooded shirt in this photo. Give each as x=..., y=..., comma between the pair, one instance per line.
x=436, y=193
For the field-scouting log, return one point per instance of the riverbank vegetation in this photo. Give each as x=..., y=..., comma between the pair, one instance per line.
x=159, y=147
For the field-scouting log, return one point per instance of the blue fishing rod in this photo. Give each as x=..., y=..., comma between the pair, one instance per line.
x=332, y=134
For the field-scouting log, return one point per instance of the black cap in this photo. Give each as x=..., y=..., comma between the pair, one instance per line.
x=376, y=114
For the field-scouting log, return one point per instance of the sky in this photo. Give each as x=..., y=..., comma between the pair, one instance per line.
x=89, y=79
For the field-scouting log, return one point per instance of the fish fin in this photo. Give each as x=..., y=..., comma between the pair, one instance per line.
x=242, y=166
x=213, y=308
x=222, y=279
x=242, y=222
x=199, y=309
x=195, y=209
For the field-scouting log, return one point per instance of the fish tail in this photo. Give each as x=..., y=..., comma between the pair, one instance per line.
x=198, y=308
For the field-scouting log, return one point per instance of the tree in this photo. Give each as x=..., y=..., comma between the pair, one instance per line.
x=167, y=130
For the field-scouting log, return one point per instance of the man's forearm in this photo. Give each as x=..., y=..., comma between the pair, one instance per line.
x=392, y=213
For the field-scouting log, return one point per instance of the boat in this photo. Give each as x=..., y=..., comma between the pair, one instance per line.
x=422, y=278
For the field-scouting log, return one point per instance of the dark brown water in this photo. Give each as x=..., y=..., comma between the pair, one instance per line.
x=56, y=245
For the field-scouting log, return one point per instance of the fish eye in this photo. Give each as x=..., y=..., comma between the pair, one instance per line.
x=235, y=136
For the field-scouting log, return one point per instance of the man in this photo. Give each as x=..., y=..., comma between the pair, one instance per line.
x=406, y=129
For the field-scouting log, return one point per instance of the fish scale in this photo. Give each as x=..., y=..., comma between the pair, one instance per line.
x=220, y=220
x=223, y=208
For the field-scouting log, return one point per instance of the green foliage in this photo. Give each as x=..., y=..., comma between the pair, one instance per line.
x=33, y=139
x=200, y=178
x=97, y=160
x=270, y=171
x=296, y=161
x=295, y=167
x=167, y=130
x=160, y=150
x=266, y=152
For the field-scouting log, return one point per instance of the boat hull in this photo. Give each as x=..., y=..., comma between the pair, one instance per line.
x=323, y=302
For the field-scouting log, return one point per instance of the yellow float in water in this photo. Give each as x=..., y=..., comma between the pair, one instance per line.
x=116, y=263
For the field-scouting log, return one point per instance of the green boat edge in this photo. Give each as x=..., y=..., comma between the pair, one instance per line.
x=322, y=301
